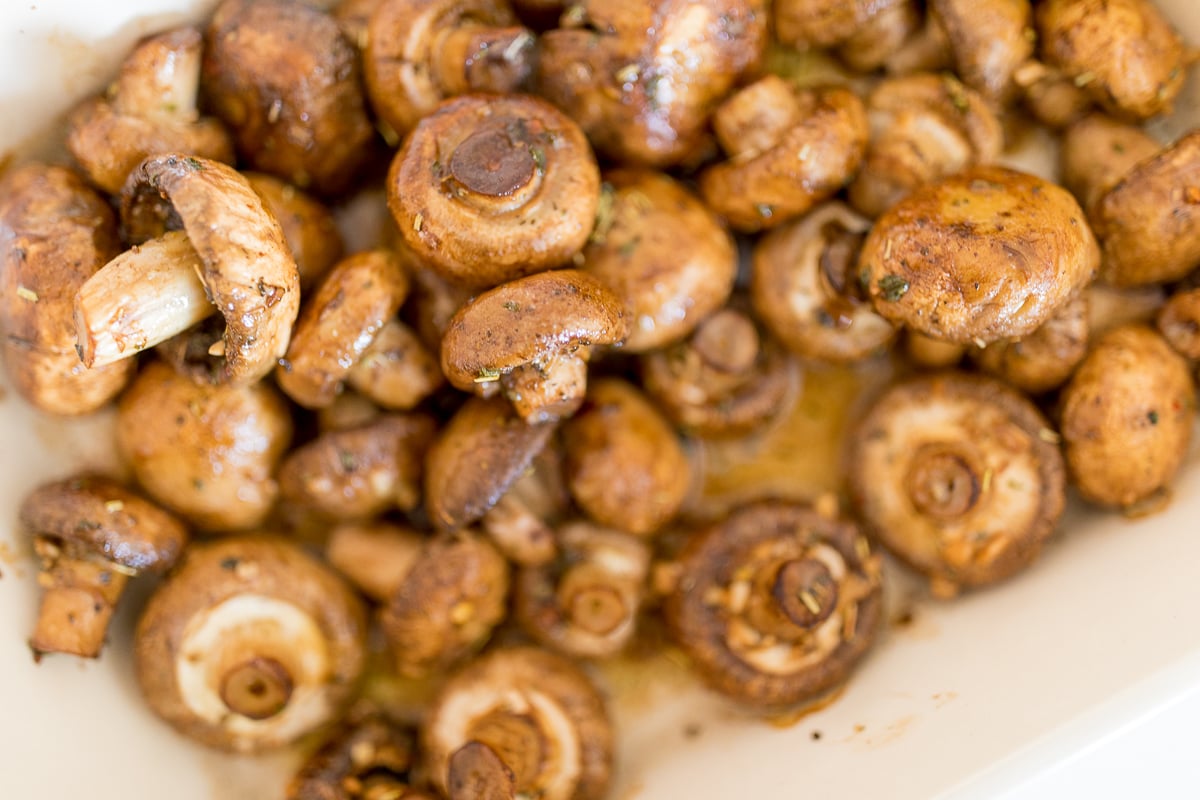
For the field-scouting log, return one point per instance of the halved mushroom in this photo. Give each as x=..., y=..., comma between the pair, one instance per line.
x=776, y=604
x=287, y=83
x=1044, y=359
x=641, y=79
x=958, y=475
x=804, y=286
x=865, y=32
x=624, y=463
x=396, y=370
x=92, y=535
x=526, y=720
x=309, y=228
x=1127, y=417
x=663, y=253
x=149, y=109
x=487, y=189
x=585, y=604
x=250, y=644
x=988, y=40
x=419, y=52
x=788, y=151
x=986, y=254
x=1097, y=152
x=531, y=340
x=55, y=232
x=1179, y=322
x=230, y=256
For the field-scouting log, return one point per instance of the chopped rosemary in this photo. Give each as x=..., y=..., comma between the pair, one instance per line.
x=893, y=287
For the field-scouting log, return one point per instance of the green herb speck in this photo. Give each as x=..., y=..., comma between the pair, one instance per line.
x=893, y=287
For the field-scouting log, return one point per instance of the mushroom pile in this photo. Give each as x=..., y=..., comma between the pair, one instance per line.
x=421, y=342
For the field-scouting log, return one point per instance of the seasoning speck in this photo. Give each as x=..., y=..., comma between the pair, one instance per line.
x=27, y=294
x=892, y=287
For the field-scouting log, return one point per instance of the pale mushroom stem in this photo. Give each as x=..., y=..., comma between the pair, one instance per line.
x=77, y=603
x=144, y=296
x=519, y=533
x=477, y=58
x=258, y=688
x=798, y=595
x=544, y=392
x=598, y=609
x=519, y=743
x=478, y=773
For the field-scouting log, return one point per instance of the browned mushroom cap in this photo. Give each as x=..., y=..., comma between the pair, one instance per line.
x=433, y=303
x=92, y=534
x=776, y=604
x=396, y=370
x=881, y=36
x=538, y=712
x=1044, y=359
x=727, y=379
x=475, y=459
x=1097, y=152
x=337, y=325
x=419, y=52
x=531, y=339
x=587, y=603
x=804, y=286
x=1179, y=322
x=982, y=255
x=375, y=556
x=230, y=257
x=1123, y=53
x=923, y=127
x=866, y=32
x=55, y=232
x=787, y=152
x=250, y=644
x=359, y=472
x=149, y=109
x=926, y=50
x=958, y=475
x=207, y=452
x=286, y=81
x=624, y=463
x=487, y=189
x=988, y=40
x=1050, y=95
x=366, y=758
x=1127, y=417
x=663, y=253
x=309, y=228
x=453, y=596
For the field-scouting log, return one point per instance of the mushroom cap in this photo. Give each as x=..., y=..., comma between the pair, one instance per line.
x=490, y=188
x=527, y=321
x=1179, y=322
x=249, y=272
x=1044, y=359
x=55, y=233
x=99, y=517
x=309, y=228
x=244, y=598
x=1096, y=152
x=982, y=255
x=988, y=41
x=476, y=457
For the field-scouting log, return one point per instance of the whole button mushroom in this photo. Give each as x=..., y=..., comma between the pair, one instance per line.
x=149, y=109
x=804, y=286
x=988, y=41
x=250, y=644
x=788, y=151
x=92, y=535
x=230, y=257
x=309, y=228
x=663, y=253
x=1127, y=417
x=865, y=32
x=643, y=78
x=487, y=189
x=207, y=452
x=986, y=254
x=530, y=339
x=776, y=604
x=419, y=52
x=958, y=475
x=1044, y=359
x=286, y=81
x=55, y=232
x=522, y=721
x=624, y=463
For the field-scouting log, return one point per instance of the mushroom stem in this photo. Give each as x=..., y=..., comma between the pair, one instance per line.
x=792, y=597
x=542, y=392
x=77, y=603
x=144, y=296
x=519, y=533
x=479, y=58
x=942, y=483
x=591, y=599
x=498, y=167
x=518, y=742
x=727, y=342
x=755, y=119
x=478, y=773
x=258, y=688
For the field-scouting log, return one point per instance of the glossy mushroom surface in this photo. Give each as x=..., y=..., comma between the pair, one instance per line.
x=1044, y=359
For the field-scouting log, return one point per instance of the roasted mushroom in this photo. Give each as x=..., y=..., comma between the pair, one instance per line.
x=487, y=189
x=929, y=353
x=230, y=256
x=207, y=452
x=92, y=535
x=1179, y=322
x=420, y=52
x=866, y=33
x=804, y=286
x=396, y=370
x=149, y=109
x=776, y=604
x=663, y=253
x=986, y=254
x=309, y=228
x=1127, y=417
x=374, y=556
x=1051, y=96
x=1097, y=152
x=1044, y=359
x=531, y=340
x=643, y=78
x=55, y=232
x=787, y=151
x=250, y=644
x=958, y=475
x=988, y=40
x=530, y=721
x=287, y=83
